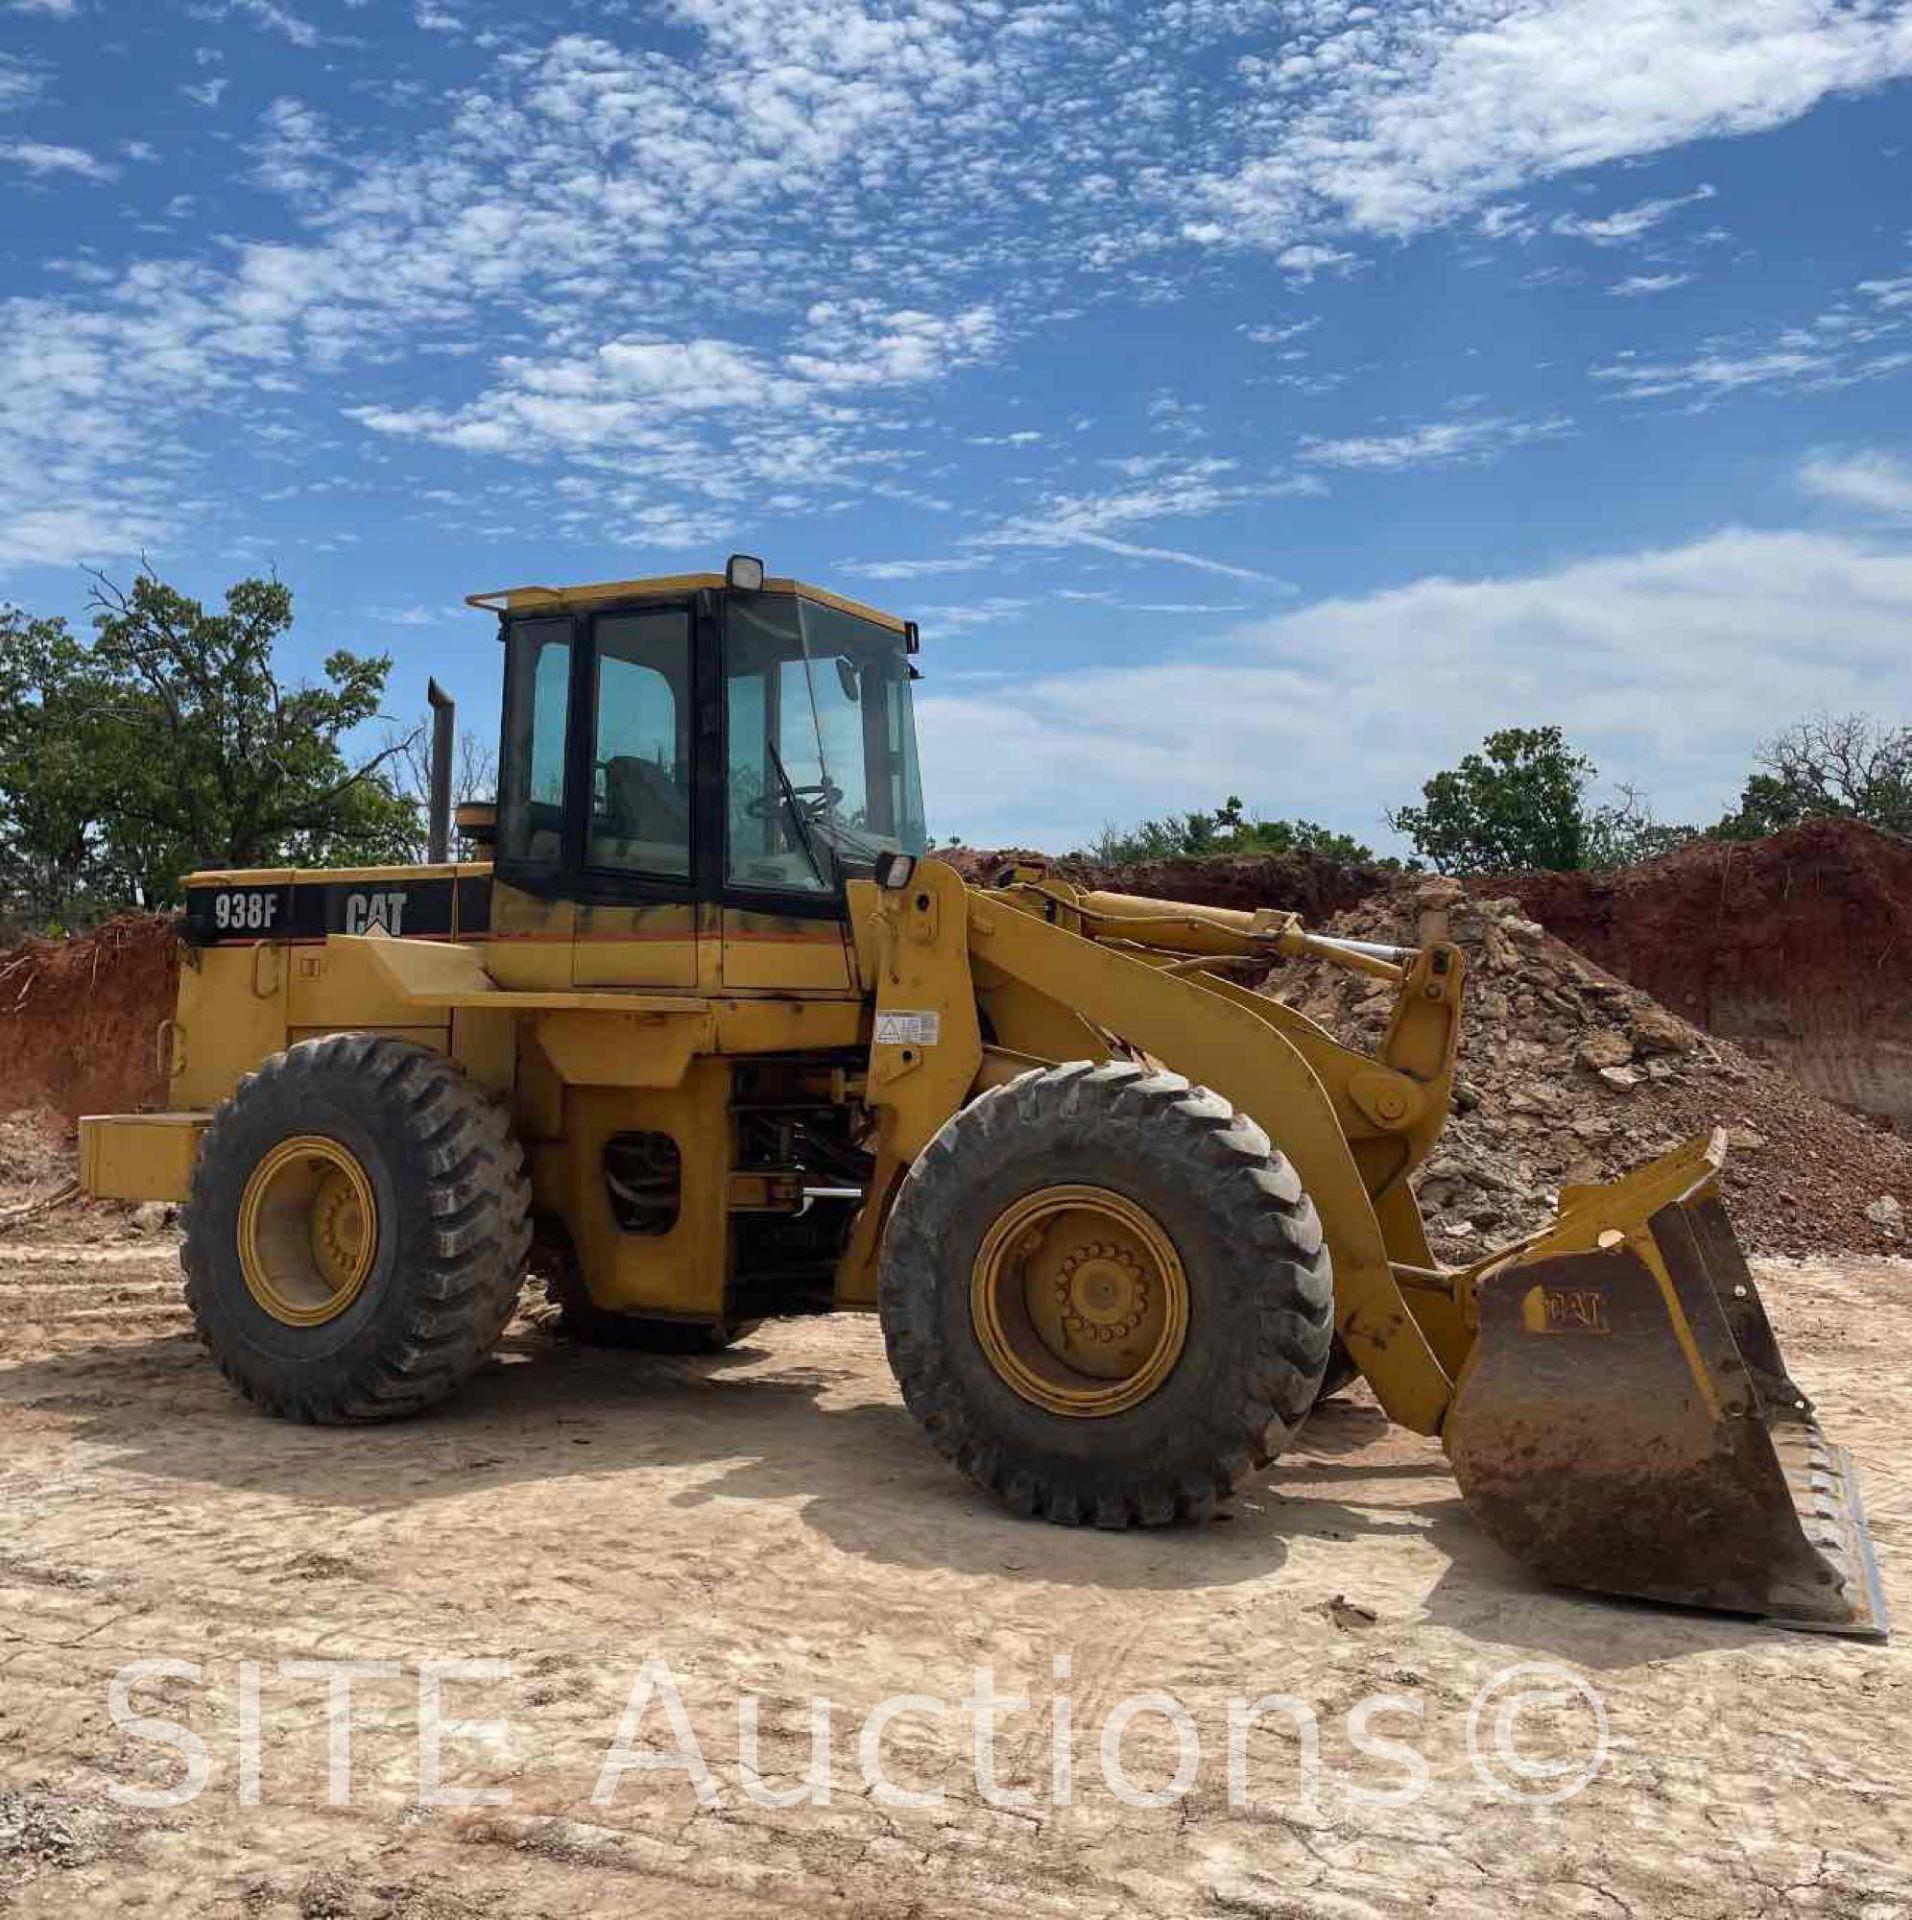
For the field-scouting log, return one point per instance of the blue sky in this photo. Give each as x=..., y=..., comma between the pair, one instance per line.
x=1266, y=396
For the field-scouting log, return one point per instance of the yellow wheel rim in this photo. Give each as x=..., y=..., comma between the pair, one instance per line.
x=308, y=1231
x=1080, y=1301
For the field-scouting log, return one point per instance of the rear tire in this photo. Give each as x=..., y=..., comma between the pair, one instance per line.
x=1246, y=1241
x=445, y=1243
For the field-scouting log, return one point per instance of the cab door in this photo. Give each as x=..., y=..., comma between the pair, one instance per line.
x=635, y=750
x=784, y=924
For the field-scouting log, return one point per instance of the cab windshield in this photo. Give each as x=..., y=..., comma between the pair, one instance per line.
x=822, y=772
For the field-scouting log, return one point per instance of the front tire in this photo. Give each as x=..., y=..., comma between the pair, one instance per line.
x=357, y=1230
x=1105, y=1295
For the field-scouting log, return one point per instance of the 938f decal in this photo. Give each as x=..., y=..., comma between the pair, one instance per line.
x=246, y=910
x=316, y=905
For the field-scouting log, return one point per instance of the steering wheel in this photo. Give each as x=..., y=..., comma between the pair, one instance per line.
x=818, y=800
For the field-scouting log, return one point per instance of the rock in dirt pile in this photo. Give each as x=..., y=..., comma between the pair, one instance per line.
x=1568, y=1075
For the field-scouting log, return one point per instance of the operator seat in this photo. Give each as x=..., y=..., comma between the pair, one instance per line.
x=646, y=802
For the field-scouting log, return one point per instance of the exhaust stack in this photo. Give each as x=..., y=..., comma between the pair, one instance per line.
x=444, y=721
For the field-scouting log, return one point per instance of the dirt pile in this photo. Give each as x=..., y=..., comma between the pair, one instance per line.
x=78, y=1017
x=1796, y=946
x=1571, y=1075
x=1310, y=884
x=40, y=1198
x=36, y=1158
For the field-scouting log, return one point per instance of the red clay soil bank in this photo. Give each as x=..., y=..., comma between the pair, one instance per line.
x=78, y=1017
x=1798, y=946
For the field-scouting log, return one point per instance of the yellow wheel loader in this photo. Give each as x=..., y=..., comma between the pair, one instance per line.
x=710, y=1037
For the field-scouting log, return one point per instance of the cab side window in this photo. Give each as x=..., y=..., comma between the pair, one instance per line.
x=640, y=819
x=537, y=695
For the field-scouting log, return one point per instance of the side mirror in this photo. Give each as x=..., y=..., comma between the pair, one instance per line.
x=847, y=679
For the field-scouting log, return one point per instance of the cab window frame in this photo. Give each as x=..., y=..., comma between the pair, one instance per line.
x=574, y=877
x=791, y=903
x=638, y=882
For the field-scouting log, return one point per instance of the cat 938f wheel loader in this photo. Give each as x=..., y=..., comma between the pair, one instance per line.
x=710, y=1038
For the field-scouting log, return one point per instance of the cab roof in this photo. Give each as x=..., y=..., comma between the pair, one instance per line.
x=523, y=599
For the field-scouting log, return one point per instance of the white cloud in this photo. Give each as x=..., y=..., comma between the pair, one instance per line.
x=968, y=616
x=1865, y=337
x=1102, y=522
x=910, y=569
x=1304, y=262
x=413, y=616
x=1271, y=336
x=267, y=15
x=51, y=9
x=1436, y=443
x=860, y=342
x=19, y=83
x=40, y=158
x=1638, y=285
x=1629, y=223
x=1715, y=373
x=643, y=227
x=1666, y=666
x=623, y=396
x=1876, y=483
x=1888, y=294
x=1389, y=121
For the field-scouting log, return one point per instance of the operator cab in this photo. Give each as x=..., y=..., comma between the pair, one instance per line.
x=720, y=741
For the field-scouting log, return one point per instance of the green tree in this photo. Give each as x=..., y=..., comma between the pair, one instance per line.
x=1847, y=766
x=50, y=798
x=1522, y=802
x=1228, y=830
x=172, y=742
x=1519, y=802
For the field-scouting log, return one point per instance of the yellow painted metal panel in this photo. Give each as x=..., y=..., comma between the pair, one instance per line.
x=773, y=950
x=140, y=1156
x=232, y=1014
x=622, y=1049
x=417, y=972
x=598, y=593
x=331, y=876
x=438, y=1038
x=485, y=1044
x=529, y=944
x=686, y=1270
x=640, y=946
x=790, y=1026
x=341, y=984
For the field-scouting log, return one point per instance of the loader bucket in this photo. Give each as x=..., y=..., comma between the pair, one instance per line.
x=1625, y=1422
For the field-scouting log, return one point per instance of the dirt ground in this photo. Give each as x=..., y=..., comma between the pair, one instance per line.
x=769, y=1524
